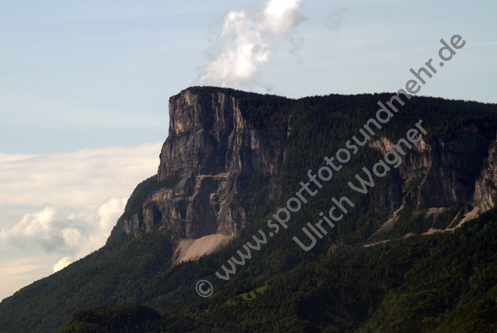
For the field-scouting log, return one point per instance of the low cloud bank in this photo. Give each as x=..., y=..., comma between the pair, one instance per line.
x=72, y=232
x=83, y=178
x=56, y=209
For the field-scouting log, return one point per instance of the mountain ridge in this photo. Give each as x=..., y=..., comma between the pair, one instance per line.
x=234, y=158
x=212, y=142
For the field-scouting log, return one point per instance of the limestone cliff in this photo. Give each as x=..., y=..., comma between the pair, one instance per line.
x=217, y=147
x=210, y=147
x=443, y=181
x=485, y=195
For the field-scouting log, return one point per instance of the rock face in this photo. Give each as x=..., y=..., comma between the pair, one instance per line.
x=485, y=195
x=443, y=174
x=210, y=145
x=214, y=150
x=447, y=174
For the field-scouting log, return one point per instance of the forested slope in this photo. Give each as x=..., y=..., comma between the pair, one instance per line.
x=410, y=284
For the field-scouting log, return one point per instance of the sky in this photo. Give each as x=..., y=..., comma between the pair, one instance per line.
x=84, y=89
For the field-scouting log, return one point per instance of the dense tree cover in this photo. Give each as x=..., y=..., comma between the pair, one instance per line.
x=113, y=275
x=441, y=283
x=418, y=284
x=123, y=318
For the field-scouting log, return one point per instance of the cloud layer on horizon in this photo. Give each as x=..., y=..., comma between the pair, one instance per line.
x=58, y=208
x=81, y=178
x=74, y=232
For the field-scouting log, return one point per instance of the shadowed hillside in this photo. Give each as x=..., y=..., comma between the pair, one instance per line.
x=232, y=160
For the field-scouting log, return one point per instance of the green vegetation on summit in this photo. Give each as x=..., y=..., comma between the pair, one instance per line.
x=445, y=282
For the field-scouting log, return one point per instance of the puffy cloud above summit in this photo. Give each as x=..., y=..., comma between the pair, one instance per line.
x=246, y=41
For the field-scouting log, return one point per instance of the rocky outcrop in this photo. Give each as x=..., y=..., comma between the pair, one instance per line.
x=485, y=195
x=216, y=149
x=210, y=145
x=442, y=174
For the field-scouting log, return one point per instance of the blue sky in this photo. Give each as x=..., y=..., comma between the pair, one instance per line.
x=86, y=74
x=82, y=81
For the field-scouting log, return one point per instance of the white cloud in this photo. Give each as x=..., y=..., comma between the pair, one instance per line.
x=59, y=235
x=247, y=40
x=63, y=263
x=58, y=208
x=37, y=229
x=74, y=231
x=83, y=178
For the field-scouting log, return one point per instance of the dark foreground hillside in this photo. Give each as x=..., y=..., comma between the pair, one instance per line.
x=441, y=283
x=233, y=159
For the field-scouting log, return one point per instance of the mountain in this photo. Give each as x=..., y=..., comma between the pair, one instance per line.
x=364, y=213
x=211, y=146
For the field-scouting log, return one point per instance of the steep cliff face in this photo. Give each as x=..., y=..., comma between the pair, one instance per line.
x=485, y=195
x=444, y=181
x=210, y=146
x=443, y=173
x=218, y=146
